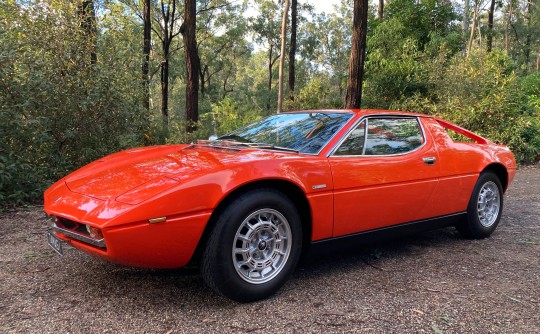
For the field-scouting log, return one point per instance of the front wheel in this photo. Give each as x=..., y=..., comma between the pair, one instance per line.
x=253, y=246
x=484, y=209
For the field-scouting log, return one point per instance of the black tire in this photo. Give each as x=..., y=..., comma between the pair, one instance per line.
x=479, y=225
x=267, y=208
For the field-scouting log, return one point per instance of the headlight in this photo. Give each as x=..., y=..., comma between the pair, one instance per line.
x=94, y=232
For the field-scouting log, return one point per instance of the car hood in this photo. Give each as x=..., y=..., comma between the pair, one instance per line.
x=150, y=170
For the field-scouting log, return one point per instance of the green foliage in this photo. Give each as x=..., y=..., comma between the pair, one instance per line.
x=484, y=94
x=393, y=67
x=402, y=47
x=531, y=89
x=224, y=117
x=317, y=94
x=228, y=115
x=421, y=19
x=59, y=111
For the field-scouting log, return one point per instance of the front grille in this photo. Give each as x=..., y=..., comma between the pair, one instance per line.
x=72, y=226
x=76, y=230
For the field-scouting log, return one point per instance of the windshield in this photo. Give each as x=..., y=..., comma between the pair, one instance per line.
x=303, y=132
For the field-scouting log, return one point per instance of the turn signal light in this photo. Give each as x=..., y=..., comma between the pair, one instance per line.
x=94, y=232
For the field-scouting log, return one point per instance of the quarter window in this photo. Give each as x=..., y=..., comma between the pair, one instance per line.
x=383, y=136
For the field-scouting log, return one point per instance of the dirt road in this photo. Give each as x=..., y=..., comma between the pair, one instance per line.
x=435, y=282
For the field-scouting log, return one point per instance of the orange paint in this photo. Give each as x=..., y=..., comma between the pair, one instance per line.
x=346, y=194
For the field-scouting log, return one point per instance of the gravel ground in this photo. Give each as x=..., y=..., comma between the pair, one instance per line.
x=434, y=282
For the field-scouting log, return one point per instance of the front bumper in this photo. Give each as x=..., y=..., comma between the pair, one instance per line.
x=169, y=244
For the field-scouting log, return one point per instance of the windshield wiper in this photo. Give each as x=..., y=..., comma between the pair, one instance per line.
x=273, y=147
x=233, y=137
x=228, y=142
x=253, y=145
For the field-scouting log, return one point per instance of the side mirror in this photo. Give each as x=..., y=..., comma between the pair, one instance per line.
x=213, y=137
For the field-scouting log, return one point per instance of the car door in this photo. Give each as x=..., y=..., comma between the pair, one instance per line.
x=385, y=171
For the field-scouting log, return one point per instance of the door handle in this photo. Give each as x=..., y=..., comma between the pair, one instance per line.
x=429, y=160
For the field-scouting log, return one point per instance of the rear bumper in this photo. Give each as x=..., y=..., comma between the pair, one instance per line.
x=169, y=244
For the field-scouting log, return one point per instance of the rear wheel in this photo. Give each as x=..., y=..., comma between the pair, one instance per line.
x=253, y=246
x=484, y=209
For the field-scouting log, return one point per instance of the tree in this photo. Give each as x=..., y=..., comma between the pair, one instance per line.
x=221, y=31
x=490, y=26
x=326, y=42
x=147, y=42
x=476, y=9
x=292, y=48
x=358, y=52
x=167, y=21
x=189, y=34
x=87, y=16
x=528, y=37
x=266, y=26
x=465, y=19
x=380, y=10
x=282, y=55
x=509, y=18
x=423, y=20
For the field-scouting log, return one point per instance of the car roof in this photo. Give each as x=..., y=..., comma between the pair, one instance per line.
x=364, y=112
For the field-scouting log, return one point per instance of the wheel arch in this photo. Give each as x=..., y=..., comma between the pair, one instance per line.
x=501, y=172
x=288, y=188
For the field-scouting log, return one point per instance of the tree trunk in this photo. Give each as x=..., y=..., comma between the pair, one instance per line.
x=147, y=22
x=292, y=48
x=189, y=31
x=165, y=98
x=507, y=28
x=528, y=37
x=471, y=35
x=465, y=20
x=87, y=16
x=167, y=25
x=225, y=82
x=165, y=89
x=358, y=52
x=270, y=65
x=490, y=26
x=203, y=74
x=380, y=10
x=282, y=56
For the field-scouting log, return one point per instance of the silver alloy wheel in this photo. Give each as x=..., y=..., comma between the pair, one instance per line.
x=261, y=246
x=489, y=204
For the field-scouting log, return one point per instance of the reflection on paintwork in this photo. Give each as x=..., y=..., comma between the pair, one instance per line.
x=147, y=190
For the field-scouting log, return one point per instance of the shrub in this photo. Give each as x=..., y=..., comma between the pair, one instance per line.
x=483, y=93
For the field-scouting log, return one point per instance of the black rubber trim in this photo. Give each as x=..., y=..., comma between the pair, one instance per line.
x=386, y=233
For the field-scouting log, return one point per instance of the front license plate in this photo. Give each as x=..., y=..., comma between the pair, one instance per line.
x=55, y=243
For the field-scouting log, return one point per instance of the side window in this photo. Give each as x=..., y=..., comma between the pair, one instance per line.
x=354, y=144
x=387, y=136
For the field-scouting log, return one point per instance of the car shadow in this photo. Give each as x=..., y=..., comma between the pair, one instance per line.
x=371, y=253
x=183, y=288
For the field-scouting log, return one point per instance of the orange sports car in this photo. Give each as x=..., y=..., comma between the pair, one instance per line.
x=247, y=204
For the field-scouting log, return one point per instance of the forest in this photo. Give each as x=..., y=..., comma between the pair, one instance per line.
x=80, y=79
